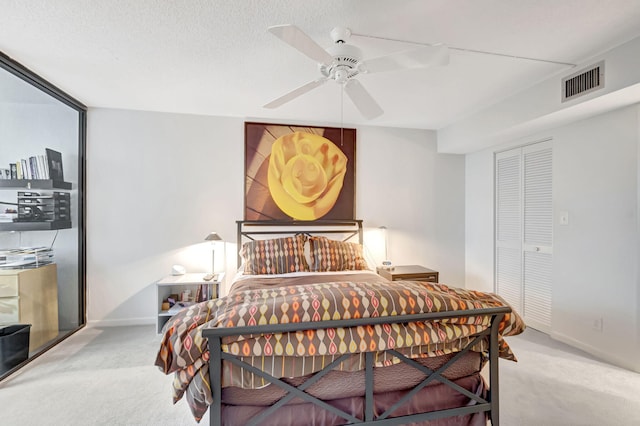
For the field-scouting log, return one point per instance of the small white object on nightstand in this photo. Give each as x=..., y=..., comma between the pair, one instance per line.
x=178, y=270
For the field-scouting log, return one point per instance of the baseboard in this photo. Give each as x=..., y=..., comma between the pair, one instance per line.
x=121, y=322
x=598, y=353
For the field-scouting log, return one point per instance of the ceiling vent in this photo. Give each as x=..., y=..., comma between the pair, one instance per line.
x=583, y=82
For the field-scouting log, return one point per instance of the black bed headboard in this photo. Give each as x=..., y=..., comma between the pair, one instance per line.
x=264, y=229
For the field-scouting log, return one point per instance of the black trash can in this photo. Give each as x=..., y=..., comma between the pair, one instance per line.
x=14, y=346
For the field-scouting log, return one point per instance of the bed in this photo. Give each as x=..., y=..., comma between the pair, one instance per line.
x=309, y=335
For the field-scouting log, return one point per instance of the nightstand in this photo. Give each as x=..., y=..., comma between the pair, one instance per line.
x=409, y=272
x=193, y=283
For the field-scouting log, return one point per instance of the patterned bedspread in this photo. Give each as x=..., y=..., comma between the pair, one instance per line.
x=184, y=351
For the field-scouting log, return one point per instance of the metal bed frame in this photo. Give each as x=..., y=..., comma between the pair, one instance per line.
x=217, y=356
x=254, y=229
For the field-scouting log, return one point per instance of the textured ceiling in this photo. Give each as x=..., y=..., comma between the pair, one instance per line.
x=215, y=57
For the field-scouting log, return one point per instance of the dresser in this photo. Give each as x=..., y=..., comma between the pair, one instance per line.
x=30, y=296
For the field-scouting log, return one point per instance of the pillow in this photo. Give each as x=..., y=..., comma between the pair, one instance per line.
x=330, y=255
x=275, y=256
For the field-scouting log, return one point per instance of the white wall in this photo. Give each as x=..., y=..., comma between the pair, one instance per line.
x=539, y=106
x=479, y=222
x=595, y=257
x=158, y=183
x=595, y=179
x=405, y=185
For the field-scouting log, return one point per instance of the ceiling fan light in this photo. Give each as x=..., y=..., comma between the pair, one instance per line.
x=341, y=75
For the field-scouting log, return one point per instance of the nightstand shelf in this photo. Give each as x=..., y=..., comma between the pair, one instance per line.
x=409, y=272
x=176, y=285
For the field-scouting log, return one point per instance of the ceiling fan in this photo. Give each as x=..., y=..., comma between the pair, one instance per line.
x=343, y=62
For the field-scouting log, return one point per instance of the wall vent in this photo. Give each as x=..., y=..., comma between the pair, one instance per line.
x=582, y=82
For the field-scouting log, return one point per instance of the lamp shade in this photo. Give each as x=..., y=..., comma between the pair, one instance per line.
x=213, y=236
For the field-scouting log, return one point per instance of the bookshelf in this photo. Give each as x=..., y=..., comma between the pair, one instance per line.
x=176, y=284
x=35, y=226
x=34, y=184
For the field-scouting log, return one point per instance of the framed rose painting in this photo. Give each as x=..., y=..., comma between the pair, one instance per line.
x=295, y=172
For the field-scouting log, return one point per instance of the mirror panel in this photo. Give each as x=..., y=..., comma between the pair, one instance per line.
x=42, y=284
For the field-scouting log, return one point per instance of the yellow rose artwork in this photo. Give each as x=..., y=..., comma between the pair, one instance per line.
x=306, y=174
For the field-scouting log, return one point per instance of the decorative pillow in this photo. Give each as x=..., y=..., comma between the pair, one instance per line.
x=275, y=256
x=331, y=255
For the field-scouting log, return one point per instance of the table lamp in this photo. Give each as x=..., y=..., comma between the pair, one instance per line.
x=386, y=263
x=213, y=236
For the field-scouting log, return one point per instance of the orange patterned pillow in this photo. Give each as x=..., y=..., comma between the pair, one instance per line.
x=331, y=255
x=275, y=256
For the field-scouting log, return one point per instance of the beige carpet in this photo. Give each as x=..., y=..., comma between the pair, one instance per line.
x=105, y=376
x=555, y=384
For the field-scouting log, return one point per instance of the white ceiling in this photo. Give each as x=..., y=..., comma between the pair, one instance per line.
x=216, y=57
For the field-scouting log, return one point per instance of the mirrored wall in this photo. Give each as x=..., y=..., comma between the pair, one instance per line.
x=42, y=283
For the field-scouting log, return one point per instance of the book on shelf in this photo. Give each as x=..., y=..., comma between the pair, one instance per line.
x=25, y=170
x=43, y=170
x=178, y=307
x=41, y=167
x=33, y=168
x=198, y=297
x=203, y=293
x=54, y=163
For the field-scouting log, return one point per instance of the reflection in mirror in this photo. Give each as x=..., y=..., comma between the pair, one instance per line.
x=42, y=133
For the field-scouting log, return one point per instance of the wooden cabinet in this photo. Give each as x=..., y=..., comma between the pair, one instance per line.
x=30, y=296
x=409, y=272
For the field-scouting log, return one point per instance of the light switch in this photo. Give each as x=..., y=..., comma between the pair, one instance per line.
x=564, y=218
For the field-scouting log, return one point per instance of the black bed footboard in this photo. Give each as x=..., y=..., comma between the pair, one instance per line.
x=488, y=404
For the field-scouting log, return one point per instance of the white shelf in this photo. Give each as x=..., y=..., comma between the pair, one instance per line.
x=176, y=284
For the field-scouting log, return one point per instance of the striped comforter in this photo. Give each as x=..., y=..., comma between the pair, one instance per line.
x=183, y=349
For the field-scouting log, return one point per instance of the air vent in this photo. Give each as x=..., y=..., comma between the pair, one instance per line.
x=583, y=82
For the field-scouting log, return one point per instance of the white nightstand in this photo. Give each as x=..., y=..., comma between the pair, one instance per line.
x=176, y=285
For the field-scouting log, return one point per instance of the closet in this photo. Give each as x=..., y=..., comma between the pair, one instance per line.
x=524, y=231
x=42, y=211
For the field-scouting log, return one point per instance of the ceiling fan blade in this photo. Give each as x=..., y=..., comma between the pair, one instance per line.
x=367, y=106
x=295, y=37
x=421, y=57
x=295, y=93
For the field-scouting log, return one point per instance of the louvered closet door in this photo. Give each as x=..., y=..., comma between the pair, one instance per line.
x=509, y=228
x=524, y=231
x=538, y=235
